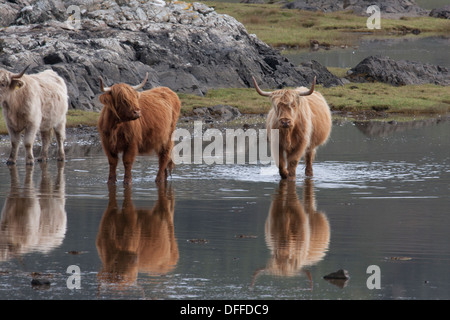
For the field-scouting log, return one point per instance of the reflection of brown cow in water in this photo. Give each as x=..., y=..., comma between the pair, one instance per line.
x=33, y=220
x=132, y=240
x=135, y=123
x=297, y=235
x=303, y=119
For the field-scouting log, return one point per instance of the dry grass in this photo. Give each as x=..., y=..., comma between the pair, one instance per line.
x=295, y=28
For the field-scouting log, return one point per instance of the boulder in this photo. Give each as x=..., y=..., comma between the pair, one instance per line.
x=400, y=72
x=313, y=69
x=443, y=12
x=188, y=47
x=217, y=113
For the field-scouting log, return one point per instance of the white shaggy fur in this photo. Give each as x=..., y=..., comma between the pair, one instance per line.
x=31, y=103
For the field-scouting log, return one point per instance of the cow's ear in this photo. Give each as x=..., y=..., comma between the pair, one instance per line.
x=105, y=98
x=16, y=84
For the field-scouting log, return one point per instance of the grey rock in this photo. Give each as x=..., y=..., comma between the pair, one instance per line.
x=391, y=8
x=187, y=47
x=217, y=113
x=313, y=69
x=443, y=12
x=401, y=72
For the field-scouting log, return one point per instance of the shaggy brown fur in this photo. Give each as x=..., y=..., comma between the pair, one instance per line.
x=132, y=240
x=304, y=123
x=133, y=123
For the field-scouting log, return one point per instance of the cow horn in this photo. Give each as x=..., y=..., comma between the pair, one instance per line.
x=310, y=91
x=19, y=75
x=141, y=85
x=102, y=87
x=263, y=93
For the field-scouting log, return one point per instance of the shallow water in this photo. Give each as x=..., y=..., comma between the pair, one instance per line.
x=380, y=196
x=432, y=50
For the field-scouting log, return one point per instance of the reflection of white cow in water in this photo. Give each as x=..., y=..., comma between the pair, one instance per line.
x=297, y=235
x=33, y=220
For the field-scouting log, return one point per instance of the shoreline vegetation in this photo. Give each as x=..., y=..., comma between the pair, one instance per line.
x=294, y=29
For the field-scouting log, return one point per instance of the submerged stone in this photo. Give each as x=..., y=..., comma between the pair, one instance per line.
x=341, y=274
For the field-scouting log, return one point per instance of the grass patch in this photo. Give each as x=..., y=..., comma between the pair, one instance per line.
x=353, y=97
x=295, y=28
x=77, y=117
x=408, y=100
x=74, y=118
x=246, y=100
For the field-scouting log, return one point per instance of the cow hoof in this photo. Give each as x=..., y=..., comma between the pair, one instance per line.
x=160, y=180
x=283, y=175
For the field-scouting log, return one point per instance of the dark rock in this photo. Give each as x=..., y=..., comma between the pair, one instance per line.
x=40, y=283
x=443, y=12
x=323, y=76
x=401, y=72
x=341, y=274
x=185, y=46
x=218, y=113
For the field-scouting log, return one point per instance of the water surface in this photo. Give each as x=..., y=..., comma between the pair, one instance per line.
x=380, y=196
x=432, y=50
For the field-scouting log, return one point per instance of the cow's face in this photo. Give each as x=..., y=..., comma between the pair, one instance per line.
x=8, y=83
x=123, y=101
x=285, y=104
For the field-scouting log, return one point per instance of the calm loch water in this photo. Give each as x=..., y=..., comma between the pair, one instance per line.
x=379, y=197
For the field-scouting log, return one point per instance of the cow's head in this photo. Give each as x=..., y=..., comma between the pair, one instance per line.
x=122, y=99
x=11, y=81
x=286, y=103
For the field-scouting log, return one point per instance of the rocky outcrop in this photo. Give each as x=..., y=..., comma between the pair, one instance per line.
x=313, y=69
x=400, y=72
x=443, y=12
x=389, y=8
x=186, y=46
x=216, y=113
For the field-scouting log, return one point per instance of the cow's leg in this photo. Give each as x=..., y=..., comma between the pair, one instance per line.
x=60, y=133
x=309, y=158
x=164, y=159
x=293, y=158
x=28, y=139
x=15, y=141
x=282, y=163
x=128, y=159
x=170, y=164
x=292, y=167
x=113, y=159
x=45, y=137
